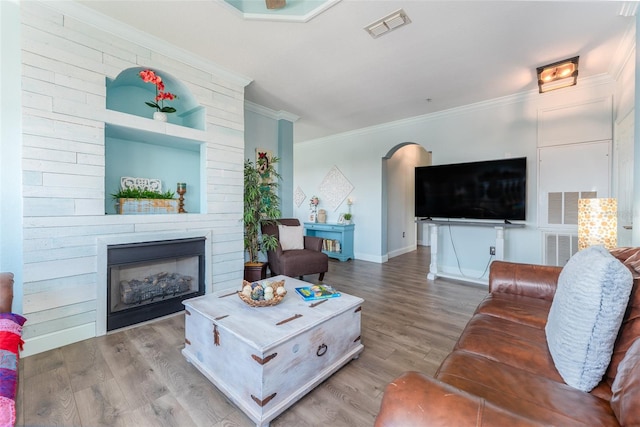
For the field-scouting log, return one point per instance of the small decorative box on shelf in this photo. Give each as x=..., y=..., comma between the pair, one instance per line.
x=338, y=238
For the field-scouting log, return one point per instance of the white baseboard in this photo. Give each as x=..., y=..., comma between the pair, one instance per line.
x=473, y=276
x=53, y=340
x=372, y=258
x=402, y=251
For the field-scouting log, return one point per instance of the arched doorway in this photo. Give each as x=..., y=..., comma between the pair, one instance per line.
x=399, y=230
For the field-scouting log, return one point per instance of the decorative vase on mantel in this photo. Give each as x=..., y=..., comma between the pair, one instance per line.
x=160, y=116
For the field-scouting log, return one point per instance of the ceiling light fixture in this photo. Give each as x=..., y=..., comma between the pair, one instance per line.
x=388, y=23
x=558, y=75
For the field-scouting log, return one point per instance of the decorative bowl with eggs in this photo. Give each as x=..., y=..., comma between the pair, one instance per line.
x=263, y=293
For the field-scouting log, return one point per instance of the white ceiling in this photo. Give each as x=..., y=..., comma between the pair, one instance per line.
x=337, y=78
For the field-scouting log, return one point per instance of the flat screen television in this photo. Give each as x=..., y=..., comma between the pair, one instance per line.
x=490, y=190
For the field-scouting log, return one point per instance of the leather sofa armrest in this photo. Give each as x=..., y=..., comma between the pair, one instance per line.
x=414, y=399
x=537, y=281
x=313, y=243
x=6, y=292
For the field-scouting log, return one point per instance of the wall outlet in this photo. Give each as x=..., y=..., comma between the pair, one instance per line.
x=492, y=250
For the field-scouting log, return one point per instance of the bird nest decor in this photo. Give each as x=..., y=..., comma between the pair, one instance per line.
x=264, y=293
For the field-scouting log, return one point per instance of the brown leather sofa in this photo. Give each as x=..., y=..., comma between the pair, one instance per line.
x=500, y=372
x=6, y=292
x=296, y=262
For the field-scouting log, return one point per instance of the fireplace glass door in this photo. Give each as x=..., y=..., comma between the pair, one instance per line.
x=151, y=279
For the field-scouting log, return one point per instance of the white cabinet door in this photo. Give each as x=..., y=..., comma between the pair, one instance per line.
x=567, y=173
x=575, y=124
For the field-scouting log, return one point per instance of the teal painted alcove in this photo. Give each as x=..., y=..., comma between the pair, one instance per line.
x=127, y=93
x=170, y=164
x=137, y=148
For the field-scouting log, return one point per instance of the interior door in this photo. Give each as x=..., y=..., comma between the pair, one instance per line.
x=623, y=184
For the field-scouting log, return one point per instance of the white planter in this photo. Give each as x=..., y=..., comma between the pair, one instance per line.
x=160, y=116
x=147, y=206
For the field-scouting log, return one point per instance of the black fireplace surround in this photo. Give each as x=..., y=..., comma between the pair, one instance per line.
x=151, y=279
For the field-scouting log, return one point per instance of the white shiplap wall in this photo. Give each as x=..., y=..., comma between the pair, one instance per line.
x=67, y=54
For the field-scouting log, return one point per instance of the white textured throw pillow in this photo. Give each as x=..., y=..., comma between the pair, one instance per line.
x=291, y=237
x=585, y=315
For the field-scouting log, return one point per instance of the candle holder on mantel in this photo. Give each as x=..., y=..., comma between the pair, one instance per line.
x=182, y=188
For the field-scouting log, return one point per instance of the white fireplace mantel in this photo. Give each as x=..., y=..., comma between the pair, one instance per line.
x=102, y=246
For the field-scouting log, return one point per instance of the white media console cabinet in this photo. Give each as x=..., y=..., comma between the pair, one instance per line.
x=434, y=226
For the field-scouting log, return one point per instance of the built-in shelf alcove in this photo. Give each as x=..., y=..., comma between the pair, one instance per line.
x=138, y=146
x=128, y=93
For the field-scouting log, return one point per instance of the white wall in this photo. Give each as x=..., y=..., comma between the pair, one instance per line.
x=68, y=52
x=360, y=163
x=10, y=150
x=495, y=129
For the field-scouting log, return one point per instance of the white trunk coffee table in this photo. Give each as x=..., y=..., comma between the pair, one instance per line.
x=266, y=358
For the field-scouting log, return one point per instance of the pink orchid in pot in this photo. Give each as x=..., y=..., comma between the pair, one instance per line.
x=149, y=76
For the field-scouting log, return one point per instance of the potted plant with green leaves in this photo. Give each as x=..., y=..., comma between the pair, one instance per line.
x=135, y=200
x=261, y=203
x=347, y=218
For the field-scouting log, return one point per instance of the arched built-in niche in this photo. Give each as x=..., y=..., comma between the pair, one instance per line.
x=138, y=147
x=128, y=93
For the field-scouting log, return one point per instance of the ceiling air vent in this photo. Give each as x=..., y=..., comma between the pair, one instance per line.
x=388, y=23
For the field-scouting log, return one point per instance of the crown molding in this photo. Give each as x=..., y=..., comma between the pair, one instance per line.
x=625, y=51
x=127, y=32
x=268, y=112
x=592, y=81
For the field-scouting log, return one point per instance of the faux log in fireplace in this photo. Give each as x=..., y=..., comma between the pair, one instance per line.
x=151, y=279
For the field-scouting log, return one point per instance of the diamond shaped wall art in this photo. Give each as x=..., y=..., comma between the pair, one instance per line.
x=299, y=196
x=335, y=187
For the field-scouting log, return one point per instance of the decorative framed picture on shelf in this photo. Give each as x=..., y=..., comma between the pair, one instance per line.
x=341, y=219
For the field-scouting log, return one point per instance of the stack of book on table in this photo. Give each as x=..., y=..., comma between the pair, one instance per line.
x=317, y=292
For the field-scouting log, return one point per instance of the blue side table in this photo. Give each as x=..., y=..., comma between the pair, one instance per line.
x=338, y=238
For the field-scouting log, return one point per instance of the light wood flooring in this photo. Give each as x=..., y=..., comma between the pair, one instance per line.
x=138, y=377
